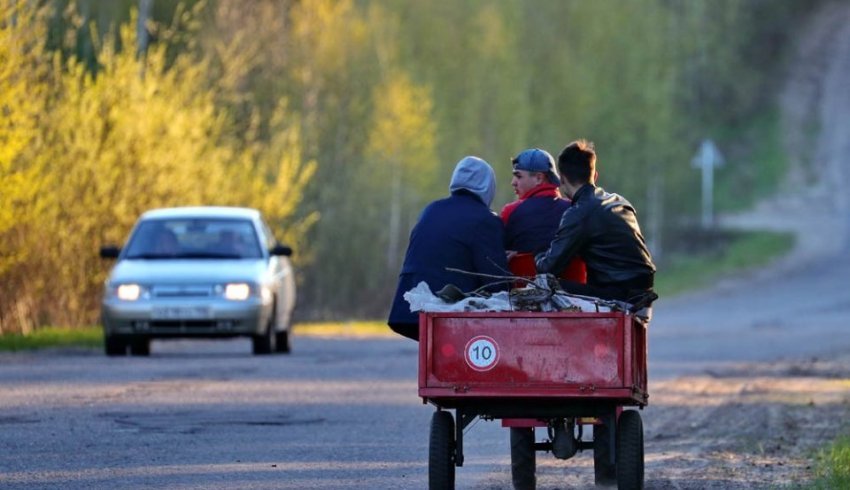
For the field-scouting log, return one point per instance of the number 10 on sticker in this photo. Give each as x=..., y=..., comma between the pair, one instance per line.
x=481, y=353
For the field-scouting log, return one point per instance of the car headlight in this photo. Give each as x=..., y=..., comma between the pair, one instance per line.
x=129, y=292
x=239, y=291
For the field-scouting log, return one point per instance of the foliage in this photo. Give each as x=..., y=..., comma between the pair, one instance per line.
x=24, y=75
x=757, y=162
x=400, y=147
x=833, y=465
x=93, y=151
x=733, y=254
x=341, y=119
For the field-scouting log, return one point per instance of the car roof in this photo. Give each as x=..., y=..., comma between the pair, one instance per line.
x=202, y=212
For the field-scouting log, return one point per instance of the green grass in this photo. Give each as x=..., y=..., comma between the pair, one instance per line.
x=756, y=161
x=53, y=337
x=93, y=336
x=833, y=466
x=746, y=251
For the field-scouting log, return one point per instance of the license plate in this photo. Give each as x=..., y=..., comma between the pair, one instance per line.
x=181, y=313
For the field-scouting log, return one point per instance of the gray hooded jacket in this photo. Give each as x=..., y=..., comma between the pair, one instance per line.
x=476, y=176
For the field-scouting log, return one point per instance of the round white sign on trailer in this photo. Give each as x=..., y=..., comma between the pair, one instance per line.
x=481, y=353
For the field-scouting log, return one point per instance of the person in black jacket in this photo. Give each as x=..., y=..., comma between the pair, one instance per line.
x=459, y=232
x=600, y=227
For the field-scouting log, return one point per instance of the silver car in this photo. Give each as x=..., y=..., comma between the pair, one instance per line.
x=198, y=272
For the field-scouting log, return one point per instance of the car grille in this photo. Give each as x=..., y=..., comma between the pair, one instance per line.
x=176, y=324
x=181, y=291
x=186, y=326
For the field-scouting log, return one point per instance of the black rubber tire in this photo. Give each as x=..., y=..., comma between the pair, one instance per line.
x=282, y=343
x=630, y=451
x=523, y=458
x=604, y=473
x=441, y=452
x=264, y=343
x=140, y=346
x=114, y=346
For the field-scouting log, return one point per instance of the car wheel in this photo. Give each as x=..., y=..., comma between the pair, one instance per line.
x=282, y=343
x=114, y=345
x=140, y=346
x=265, y=342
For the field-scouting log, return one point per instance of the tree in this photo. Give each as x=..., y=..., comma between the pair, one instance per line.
x=24, y=88
x=401, y=148
x=142, y=132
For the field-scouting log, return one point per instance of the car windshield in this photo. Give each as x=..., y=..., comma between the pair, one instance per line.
x=201, y=238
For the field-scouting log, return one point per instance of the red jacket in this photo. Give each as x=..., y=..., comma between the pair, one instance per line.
x=530, y=225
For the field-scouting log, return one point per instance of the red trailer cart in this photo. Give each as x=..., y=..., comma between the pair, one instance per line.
x=562, y=370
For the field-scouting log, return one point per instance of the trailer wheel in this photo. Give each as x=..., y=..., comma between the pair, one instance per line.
x=604, y=473
x=630, y=451
x=523, y=458
x=441, y=458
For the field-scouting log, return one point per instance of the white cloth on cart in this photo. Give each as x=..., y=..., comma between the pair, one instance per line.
x=421, y=298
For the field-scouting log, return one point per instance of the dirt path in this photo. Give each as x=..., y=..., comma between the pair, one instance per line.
x=813, y=199
x=753, y=376
x=754, y=426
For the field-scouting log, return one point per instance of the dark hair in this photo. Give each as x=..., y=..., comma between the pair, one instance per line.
x=577, y=162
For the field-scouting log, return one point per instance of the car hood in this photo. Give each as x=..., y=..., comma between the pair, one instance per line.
x=188, y=271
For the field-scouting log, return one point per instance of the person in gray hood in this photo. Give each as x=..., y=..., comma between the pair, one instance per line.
x=459, y=232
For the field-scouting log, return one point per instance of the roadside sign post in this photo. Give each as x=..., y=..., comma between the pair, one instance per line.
x=707, y=158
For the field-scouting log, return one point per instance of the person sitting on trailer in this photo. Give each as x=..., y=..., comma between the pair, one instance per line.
x=532, y=220
x=458, y=232
x=602, y=228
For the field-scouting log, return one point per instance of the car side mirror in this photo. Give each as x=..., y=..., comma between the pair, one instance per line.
x=281, y=250
x=110, y=252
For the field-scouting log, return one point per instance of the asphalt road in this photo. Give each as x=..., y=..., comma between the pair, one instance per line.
x=334, y=414
x=343, y=413
x=803, y=313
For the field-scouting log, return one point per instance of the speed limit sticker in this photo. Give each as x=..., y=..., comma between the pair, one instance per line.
x=481, y=353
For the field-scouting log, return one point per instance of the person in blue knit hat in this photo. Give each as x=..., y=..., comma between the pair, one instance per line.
x=532, y=220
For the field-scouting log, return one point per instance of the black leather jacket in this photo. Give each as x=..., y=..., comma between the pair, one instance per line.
x=602, y=229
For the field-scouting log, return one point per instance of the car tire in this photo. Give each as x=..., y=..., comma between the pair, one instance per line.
x=140, y=346
x=114, y=346
x=265, y=342
x=282, y=342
